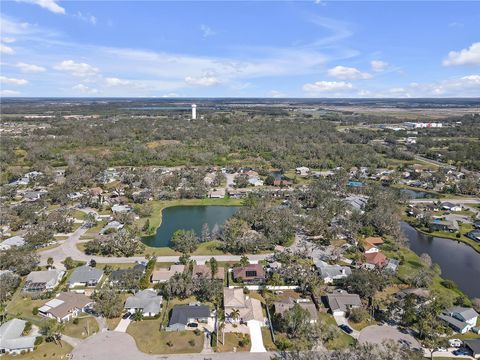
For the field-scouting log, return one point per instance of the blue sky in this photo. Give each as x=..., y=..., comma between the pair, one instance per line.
x=240, y=49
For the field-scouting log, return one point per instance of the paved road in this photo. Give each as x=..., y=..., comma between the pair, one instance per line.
x=471, y=200
x=377, y=334
x=112, y=345
x=69, y=248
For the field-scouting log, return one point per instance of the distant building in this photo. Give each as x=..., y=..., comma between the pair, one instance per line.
x=194, y=112
x=460, y=319
x=13, y=241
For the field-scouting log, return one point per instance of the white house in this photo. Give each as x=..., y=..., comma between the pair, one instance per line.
x=147, y=301
x=460, y=319
x=302, y=171
x=13, y=241
x=11, y=339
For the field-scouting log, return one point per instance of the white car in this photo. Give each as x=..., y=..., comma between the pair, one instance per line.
x=455, y=343
x=441, y=349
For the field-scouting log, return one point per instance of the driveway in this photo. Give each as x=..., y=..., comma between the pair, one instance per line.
x=377, y=334
x=342, y=320
x=123, y=325
x=121, y=346
x=256, y=337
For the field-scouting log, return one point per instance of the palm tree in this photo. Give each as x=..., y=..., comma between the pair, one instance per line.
x=213, y=267
x=244, y=261
x=235, y=314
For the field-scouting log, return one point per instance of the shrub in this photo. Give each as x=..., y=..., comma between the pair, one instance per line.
x=358, y=315
x=197, y=332
x=35, y=310
x=191, y=342
x=38, y=340
x=76, y=321
x=169, y=343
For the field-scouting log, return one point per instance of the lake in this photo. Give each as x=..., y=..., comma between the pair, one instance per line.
x=188, y=218
x=459, y=262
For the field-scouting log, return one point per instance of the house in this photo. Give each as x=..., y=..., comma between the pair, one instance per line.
x=340, y=303
x=163, y=275
x=280, y=182
x=185, y=317
x=74, y=195
x=39, y=281
x=84, y=276
x=121, y=209
x=460, y=319
x=205, y=272
x=376, y=259
x=217, y=193
x=147, y=301
x=474, y=235
x=13, y=241
x=255, y=181
x=371, y=244
x=474, y=346
x=392, y=265
x=250, y=274
x=451, y=206
x=302, y=171
x=34, y=195
x=137, y=270
x=330, y=273
x=240, y=307
x=282, y=306
x=112, y=226
x=66, y=306
x=444, y=225
x=11, y=339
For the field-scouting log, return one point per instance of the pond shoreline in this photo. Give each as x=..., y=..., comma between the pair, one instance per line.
x=464, y=241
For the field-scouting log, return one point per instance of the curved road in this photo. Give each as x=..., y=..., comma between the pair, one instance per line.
x=69, y=249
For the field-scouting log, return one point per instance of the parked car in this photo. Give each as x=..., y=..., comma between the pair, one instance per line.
x=127, y=315
x=441, y=349
x=346, y=328
x=455, y=343
x=461, y=352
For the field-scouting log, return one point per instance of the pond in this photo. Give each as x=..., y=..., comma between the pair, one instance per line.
x=188, y=218
x=459, y=262
x=415, y=194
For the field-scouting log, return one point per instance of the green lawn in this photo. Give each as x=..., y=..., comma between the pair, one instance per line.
x=267, y=339
x=87, y=323
x=22, y=307
x=232, y=341
x=151, y=340
x=44, y=351
x=342, y=340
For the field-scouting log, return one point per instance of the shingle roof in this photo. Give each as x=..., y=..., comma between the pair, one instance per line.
x=85, y=274
x=47, y=276
x=11, y=335
x=342, y=301
x=147, y=300
x=474, y=345
x=332, y=271
x=65, y=303
x=181, y=313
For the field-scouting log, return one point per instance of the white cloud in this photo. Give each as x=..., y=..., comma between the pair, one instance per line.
x=4, y=49
x=379, y=65
x=50, y=5
x=206, y=31
x=111, y=81
x=12, y=81
x=9, y=93
x=348, y=73
x=86, y=17
x=76, y=69
x=470, y=56
x=327, y=86
x=170, y=95
x=84, y=89
x=8, y=40
x=276, y=94
x=30, y=68
x=205, y=80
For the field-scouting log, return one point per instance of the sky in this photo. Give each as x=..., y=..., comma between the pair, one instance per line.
x=226, y=48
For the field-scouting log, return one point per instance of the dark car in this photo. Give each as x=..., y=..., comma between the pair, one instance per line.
x=127, y=315
x=346, y=328
x=461, y=352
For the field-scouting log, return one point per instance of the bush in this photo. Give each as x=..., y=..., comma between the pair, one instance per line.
x=76, y=321
x=38, y=340
x=35, y=310
x=197, y=332
x=358, y=315
x=28, y=327
x=244, y=342
x=191, y=342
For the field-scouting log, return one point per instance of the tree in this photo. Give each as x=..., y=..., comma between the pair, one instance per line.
x=366, y=283
x=358, y=315
x=146, y=226
x=69, y=263
x=90, y=220
x=184, y=241
x=244, y=261
x=296, y=321
x=426, y=260
x=50, y=261
x=213, y=266
x=52, y=330
x=8, y=283
x=108, y=302
x=234, y=314
x=137, y=315
x=20, y=260
x=205, y=233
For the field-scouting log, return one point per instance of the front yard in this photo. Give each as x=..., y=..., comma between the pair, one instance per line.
x=44, y=351
x=151, y=340
x=85, y=327
x=233, y=340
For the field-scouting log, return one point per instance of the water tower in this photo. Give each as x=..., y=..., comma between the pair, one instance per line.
x=194, y=111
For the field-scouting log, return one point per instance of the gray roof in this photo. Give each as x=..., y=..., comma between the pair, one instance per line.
x=181, y=313
x=465, y=312
x=452, y=321
x=342, y=301
x=147, y=300
x=46, y=276
x=11, y=335
x=474, y=345
x=85, y=274
x=13, y=241
x=332, y=271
